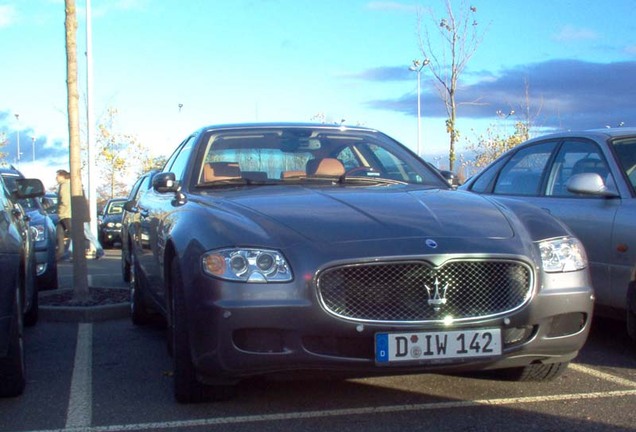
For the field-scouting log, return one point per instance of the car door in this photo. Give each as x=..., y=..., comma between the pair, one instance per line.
x=540, y=174
x=154, y=208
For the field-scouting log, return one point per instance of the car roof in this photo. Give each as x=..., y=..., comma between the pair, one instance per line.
x=327, y=126
x=599, y=134
x=5, y=170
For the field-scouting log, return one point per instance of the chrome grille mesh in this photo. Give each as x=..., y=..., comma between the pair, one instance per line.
x=417, y=291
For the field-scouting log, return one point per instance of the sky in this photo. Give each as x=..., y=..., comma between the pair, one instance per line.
x=171, y=66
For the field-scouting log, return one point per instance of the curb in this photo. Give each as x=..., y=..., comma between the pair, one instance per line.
x=83, y=314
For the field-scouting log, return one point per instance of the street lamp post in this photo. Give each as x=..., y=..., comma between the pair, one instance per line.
x=417, y=67
x=17, y=134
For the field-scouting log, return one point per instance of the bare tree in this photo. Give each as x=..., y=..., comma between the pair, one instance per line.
x=3, y=143
x=78, y=202
x=117, y=154
x=457, y=39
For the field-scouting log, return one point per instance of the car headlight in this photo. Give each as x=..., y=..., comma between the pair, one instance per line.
x=38, y=233
x=110, y=225
x=562, y=255
x=247, y=265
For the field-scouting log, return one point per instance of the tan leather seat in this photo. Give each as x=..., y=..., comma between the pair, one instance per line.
x=292, y=174
x=214, y=171
x=325, y=167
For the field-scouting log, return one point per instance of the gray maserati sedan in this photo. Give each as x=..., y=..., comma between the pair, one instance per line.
x=334, y=250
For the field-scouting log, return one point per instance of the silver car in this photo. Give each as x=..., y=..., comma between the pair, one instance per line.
x=588, y=180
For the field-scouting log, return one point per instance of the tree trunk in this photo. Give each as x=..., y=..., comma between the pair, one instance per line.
x=80, y=279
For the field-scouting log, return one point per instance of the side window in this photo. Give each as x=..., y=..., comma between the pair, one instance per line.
x=348, y=159
x=523, y=172
x=483, y=184
x=577, y=157
x=179, y=159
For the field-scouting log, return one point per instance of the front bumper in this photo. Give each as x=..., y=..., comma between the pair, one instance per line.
x=111, y=235
x=232, y=340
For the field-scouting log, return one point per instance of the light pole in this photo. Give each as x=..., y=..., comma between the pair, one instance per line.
x=17, y=134
x=33, y=147
x=417, y=67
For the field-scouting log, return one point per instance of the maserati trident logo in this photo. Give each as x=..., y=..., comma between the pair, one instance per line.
x=437, y=295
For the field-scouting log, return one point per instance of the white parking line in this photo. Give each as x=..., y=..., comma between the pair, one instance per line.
x=346, y=412
x=602, y=375
x=79, y=413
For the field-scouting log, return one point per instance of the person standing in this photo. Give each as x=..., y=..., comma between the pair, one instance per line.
x=63, y=227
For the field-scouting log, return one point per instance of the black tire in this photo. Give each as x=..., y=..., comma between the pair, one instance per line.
x=138, y=307
x=187, y=388
x=631, y=310
x=49, y=281
x=32, y=315
x=125, y=266
x=534, y=372
x=12, y=367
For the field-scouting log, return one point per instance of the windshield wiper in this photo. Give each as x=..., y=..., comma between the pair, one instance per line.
x=237, y=181
x=366, y=180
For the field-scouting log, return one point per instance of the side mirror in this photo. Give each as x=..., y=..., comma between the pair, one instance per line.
x=130, y=206
x=165, y=182
x=29, y=188
x=589, y=184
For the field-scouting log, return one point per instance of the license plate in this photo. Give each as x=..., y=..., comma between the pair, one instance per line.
x=404, y=347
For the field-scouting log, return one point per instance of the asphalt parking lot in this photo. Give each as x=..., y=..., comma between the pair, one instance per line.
x=110, y=375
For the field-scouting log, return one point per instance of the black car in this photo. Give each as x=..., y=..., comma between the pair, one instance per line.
x=43, y=228
x=18, y=291
x=278, y=248
x=110, y=222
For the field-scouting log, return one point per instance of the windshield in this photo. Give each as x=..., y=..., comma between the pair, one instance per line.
x=285, y=155
x=115, y=207
x=625, y=150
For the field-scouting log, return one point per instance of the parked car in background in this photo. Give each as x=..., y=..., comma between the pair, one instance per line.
x=43, y=228
x=588, y=180
x=18, y=291
x=109, y=231
x=49, y=204
x=273, y=248
x=141, y=186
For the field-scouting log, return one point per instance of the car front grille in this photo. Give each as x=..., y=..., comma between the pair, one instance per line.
x=418, y=291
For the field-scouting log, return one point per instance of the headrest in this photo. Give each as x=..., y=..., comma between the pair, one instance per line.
x=221, y=171
x=326, y=167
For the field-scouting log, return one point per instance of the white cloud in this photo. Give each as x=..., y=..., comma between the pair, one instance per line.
x=571, y=33
x=8, y=15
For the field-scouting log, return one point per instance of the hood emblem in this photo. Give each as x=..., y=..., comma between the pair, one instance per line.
x=437, y=295
x=431, y=243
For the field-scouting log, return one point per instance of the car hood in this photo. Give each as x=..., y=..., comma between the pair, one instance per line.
x=112, y=218
x=337, y=215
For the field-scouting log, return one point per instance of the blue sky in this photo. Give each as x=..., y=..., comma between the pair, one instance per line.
x=292, y=60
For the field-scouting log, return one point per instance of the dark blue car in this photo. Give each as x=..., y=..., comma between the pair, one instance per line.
x=43, y=232
x=18, y=292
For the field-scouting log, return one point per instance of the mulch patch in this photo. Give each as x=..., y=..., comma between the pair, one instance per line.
x=98, y=297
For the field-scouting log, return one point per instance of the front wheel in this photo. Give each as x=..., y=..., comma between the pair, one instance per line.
x=138, y=309
x=187, y=388
x=12, y=368
x=125, y=265
x=534, y=372
x=631, y=310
